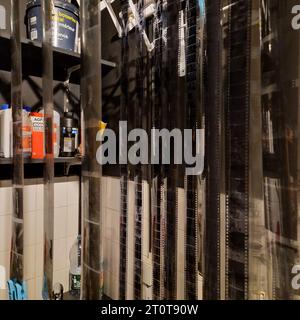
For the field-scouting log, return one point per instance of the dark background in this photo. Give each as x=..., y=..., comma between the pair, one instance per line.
x=111, y=50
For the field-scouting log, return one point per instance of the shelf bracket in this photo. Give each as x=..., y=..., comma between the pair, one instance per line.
x=149, y=45
x=67, y=85
x=148, y=11
x=107, y=4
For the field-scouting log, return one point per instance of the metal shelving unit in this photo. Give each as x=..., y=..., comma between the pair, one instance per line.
x=58, y=162
x=63, y=60
x=66, y=160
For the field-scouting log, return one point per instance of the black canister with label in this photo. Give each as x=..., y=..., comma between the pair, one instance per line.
x=69, y=135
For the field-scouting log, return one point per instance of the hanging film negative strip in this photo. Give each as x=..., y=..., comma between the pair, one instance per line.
x=47, y=7
x=194, y=117
x=137, y=169
x=156, y=178
x=124, y=166
x=213, y=149
x=279, y=49
x=91, y=102
x=17, y=243
x=237, y=106
x=170, y=120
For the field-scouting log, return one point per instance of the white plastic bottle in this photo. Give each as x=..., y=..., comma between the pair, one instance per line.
x=26, y=132
x=5, y=131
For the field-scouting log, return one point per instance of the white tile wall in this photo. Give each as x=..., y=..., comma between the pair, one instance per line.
x=113, y=193
x=72, y=220
x=30, y=228
x=6, y=201
x=60, y=222
x=111, y=237
x=61, y=194
x=39, y=259
x=180, y=243
x=66, y=193
x=5, y=233
x=39, y=232
x=30, y=197
x=4, y=261
x=66, y=198
x=38, y=288
x=29, y=262
x=40, y=197
x=60, y=250
x=111, y=196
x=147, y=257
x=66, y=209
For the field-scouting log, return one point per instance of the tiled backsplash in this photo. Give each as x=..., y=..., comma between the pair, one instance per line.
x=66, y=193
x=112, y=196
x=66, y=206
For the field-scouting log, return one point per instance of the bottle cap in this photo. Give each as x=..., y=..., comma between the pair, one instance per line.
x=4, y=106
x=27, y=108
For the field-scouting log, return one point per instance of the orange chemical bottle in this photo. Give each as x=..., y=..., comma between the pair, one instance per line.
x=37, y=125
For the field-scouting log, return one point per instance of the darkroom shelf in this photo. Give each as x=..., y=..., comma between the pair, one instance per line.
x=32, y=60
x=71, y=161
x=35, y=167
x=62, y=165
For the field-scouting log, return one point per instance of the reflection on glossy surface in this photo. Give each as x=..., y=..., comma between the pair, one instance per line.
x=17, y=243
x=47, y=52
x=91, y=104
x=123, y=167
x=194, y=118
x=213, y=149
x=280, y=134
x=236, y=32
x=262, y=147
